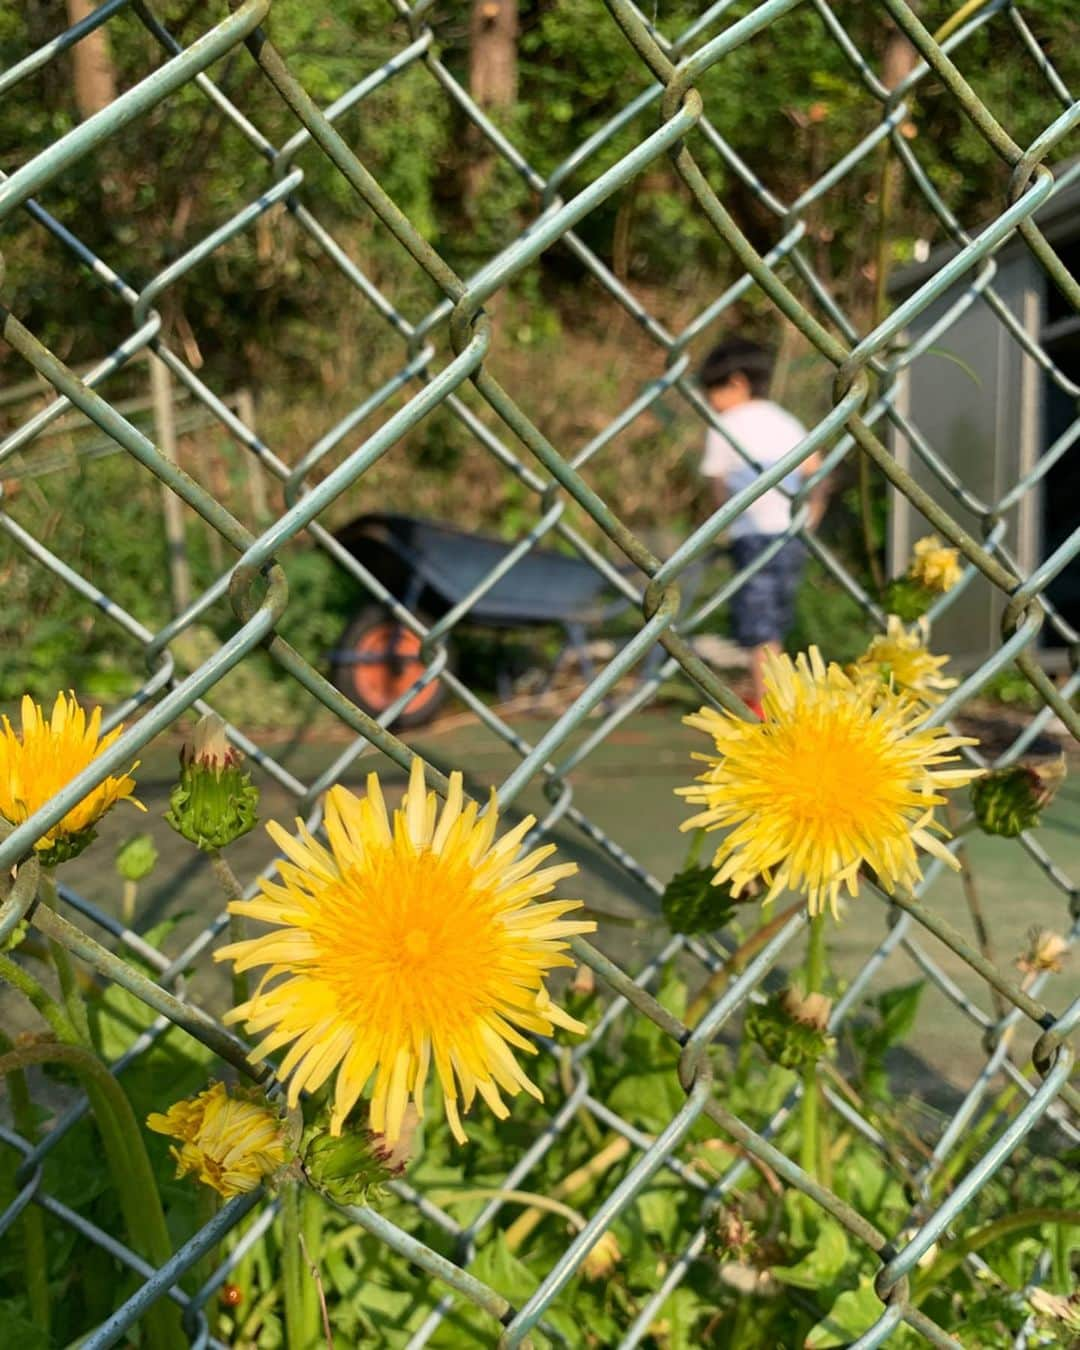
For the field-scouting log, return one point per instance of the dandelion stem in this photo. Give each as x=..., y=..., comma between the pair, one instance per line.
x=242, y=1274
x=511, y=1197
x=324, y=1312
x=949, y=1259
x=206, y=1208
x=128, y=1164
x=971, y=896
x=21, y=979
x=128, y=897
x=230, y=885
x=697, y=840
x=810, y=1147
x=65, y=971
x=311, y=1223
x=597, y=1165
x=717, y=981
x=301, y=1328
x=35, y=1255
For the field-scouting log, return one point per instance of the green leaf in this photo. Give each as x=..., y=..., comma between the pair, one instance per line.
x=649, y=1100
x=498, y=1267
x=681, y=1313
x=853, y=1313
x=18, y=1328
x=822, y=1264
x=898, y=1009
x=117, y=1017
x=659, y=1211
x=869, y=1185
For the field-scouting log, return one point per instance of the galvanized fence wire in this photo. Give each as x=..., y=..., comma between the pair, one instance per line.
x=670, y=121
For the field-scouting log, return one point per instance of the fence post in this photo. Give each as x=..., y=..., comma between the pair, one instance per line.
x=256, y=474
x=171, y=506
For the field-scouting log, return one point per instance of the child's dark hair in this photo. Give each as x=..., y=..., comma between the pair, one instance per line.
x=737, y=356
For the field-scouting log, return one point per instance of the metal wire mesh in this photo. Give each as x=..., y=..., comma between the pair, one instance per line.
x=868, y=369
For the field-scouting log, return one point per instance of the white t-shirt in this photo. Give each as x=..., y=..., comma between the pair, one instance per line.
x=764, y=432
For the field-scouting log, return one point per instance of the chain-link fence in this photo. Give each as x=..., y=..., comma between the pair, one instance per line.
x=867, y=416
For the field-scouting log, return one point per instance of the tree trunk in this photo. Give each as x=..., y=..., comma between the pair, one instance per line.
x=95, y=75
x=493, y=32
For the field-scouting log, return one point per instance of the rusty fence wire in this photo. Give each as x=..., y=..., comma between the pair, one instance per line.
x=444, y=352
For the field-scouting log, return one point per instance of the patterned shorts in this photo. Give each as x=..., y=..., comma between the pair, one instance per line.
x=764, y=605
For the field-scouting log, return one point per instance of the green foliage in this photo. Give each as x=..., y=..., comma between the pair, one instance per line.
x=828, y=617
x=374, y=1295
x=888, y=1020
x=907, y=598
x=270, y=308
x=1011, y=687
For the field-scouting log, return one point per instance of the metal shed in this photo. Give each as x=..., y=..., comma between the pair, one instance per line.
x=1005, y=413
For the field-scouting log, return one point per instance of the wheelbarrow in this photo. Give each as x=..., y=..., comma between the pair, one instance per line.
x=430, y=567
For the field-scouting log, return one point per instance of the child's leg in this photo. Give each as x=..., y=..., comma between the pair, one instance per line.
x=757, y=669
x=756, y=609
x=790, y=564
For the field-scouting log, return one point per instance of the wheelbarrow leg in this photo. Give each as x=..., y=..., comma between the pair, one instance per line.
x=575, y=633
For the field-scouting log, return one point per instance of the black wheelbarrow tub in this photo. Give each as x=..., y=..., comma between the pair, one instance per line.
x=432, y=566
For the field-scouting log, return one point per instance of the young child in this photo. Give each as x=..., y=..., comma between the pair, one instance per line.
x=736, y=377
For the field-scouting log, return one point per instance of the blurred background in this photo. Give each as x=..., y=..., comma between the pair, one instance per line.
x=265, y=322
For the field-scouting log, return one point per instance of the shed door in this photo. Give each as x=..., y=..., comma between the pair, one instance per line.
x=973, y=396
x=1061, y=486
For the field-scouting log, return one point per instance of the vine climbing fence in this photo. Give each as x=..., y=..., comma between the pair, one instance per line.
x=445, y=352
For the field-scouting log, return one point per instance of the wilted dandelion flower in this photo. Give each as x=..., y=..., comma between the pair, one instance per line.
x=409, y=941
x=934, y=564
x=43, y=758
x=1045, y=952
x=898, y=657
x=836, y=776
x=229, y=1143
x=603, y=1256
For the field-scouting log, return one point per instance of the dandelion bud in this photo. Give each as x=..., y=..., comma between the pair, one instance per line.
x=602, y=1257
x=810, y=1010
x=731, y=1237
x=692, y=904
x=352, y=1168
x=791, y=1028
x=215, y=800
x=1059, y=1311
x=1009, y=801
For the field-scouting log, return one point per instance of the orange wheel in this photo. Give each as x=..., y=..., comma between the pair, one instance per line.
x=378, y=662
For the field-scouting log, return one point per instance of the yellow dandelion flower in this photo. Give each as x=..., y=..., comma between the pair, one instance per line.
x=935, y=565
x=229, y=1143
x=835, y=777
x=409, y=941
x=898, y=657
x=48, y=753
